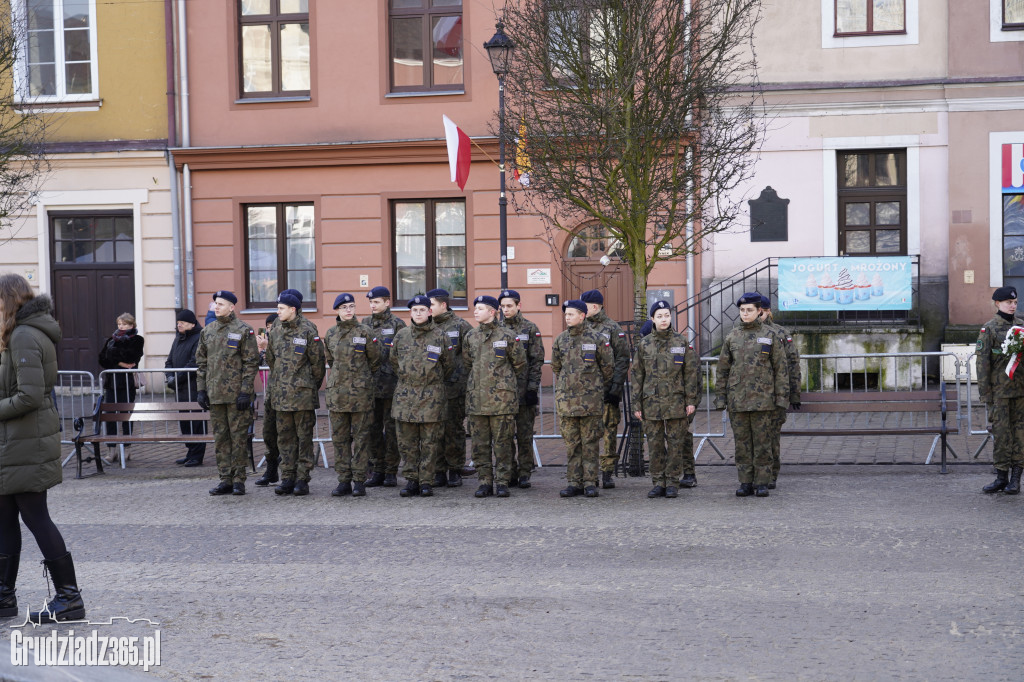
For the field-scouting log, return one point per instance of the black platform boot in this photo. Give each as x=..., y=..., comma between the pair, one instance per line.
x=997, y=485
x=270, y=475
x=8, y=576
x=67, y=603
x=1013, y=487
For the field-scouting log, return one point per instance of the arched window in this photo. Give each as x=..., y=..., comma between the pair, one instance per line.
x=592, y=242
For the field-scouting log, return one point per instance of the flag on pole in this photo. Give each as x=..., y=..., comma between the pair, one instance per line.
x=522, y=169
x=458, y=151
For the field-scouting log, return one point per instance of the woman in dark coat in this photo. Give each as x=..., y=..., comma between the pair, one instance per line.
x=122, y=350
x=184, y=384
x=30, y=447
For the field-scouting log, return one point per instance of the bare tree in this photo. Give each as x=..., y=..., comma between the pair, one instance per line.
x=642, y=115
x=23, y=132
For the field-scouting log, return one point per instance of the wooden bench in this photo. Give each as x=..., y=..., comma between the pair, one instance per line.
x=166, y=413
x=931, y=404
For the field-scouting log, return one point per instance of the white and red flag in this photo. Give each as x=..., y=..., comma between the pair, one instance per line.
x=458, y=151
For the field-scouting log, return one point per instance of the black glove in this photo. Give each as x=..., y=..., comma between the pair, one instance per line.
x=203, y=399
x=171, y=382
x=611, y=397
x=531, y=399
x=794, y=405
x=243, y=402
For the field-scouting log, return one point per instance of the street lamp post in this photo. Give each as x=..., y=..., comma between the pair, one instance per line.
x=499, y=50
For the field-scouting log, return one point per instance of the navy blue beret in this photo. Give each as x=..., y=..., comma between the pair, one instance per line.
x=575, y=304
x=379, y=292
x=592, y=296
x=766, y=303
x=342, y=299
x=438, y=293
x=294, y=292
x=226, y=295
x=749, y=297
x=486, y=300
x=288, y=299
x=419, y=299
x=660, y=305
x=1004, y=294
x=510, y=293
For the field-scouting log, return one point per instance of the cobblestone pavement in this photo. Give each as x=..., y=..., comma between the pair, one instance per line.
x=844, y=573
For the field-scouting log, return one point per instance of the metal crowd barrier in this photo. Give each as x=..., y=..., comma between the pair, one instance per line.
x=75, y=397
x=975, y=408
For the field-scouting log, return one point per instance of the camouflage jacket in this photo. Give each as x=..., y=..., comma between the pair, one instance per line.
x=422, y=361
x=753, y=375
x=993, y=384
x=456, y=329
x=614, y=335
x=297, y=364
x=792, y=359
x=530, y=339
x=227, y=359
x=666, y=376
x=384, y=325
x=353, y=354
x=493, y=359
x=584, y=365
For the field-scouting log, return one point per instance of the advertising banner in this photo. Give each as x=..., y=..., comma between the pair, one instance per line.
x=846, y=283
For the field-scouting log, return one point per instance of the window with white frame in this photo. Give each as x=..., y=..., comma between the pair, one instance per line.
x=869, y=17
x=1013, y=15
x=57, y=55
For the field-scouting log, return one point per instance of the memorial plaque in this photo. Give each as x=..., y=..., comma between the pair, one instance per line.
x=769, y=217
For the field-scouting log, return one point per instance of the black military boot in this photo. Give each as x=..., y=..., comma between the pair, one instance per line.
x=411, y=489
x=454, y=478
x=607, y=481
x=997, y=485
x=772, y=485
x=358, y=489
x=591, y=491
x=671, y=491
x=656, y=491
x=344, y=488
x=8, y=576
x=688, y=481
x=238, y=488
x=301, y=488
x=390, y=481
x=485, y=490
x=501, y=490
x=287, y=487
x=761, y=491
x=426, y=490
x=375, y=479
x=524, y=481
x=67, y=603
x=223, y=488
x=745, y=490
x=270, y=475
x=440, y=479
x=570, y=491
x=1013, y=488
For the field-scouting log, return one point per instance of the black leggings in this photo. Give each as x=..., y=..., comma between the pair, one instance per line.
x=33, y=510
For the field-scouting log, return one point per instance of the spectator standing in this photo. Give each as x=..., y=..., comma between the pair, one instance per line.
x=185, y=384
x=123, y=350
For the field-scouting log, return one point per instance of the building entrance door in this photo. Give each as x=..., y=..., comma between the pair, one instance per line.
x=584, y=271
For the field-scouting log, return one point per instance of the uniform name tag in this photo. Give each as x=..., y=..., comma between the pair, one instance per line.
x=676, y=349
x=590, y=346
x=765, y=340
x=233, y=339
x=360, y=343
x=387, y=332
x=499, y=348
x=500, y=344
x=433, y=353
x=523, y=337
x=589, y=352
x=299, y=341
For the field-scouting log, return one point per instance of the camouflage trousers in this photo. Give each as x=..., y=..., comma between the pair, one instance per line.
x=669, y=449
x=752, y=433
x=582, y=437
x=295, y=439
x=780, y=419
x=1007, y=417
x=383, y=438
x=452, y=453
x=492, y=433
x=270, y=433
x=350, y=434
x=522, y=462
x=419, y=442
x=611, y=420
x=231, y=440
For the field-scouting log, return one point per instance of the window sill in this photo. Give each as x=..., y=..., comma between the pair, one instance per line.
x=872, y=34
x=424, y=93
x=64, y=106
x=271, y=100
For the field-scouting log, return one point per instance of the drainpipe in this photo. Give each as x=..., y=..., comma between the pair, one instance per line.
x=186, y=141
x=172, y=141
x=186, y=180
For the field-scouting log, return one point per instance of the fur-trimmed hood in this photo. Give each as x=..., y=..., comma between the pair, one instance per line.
x=38, y=313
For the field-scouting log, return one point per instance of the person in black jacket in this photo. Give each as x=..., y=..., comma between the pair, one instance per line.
x=183, y=355
x=123, y=350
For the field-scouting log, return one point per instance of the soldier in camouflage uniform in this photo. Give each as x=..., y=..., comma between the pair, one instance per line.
x=753, y=380
x=452, y=455
x=666, y=393
x=423, y=362
x=296, y=359
x=493, y=359
x=584, y=367
x=793, y=364
x=353, y=355
x=228, y=361
x=1003, y=396
x=614, y=335
x=383, y=435
x=269, y=416
x=528, y=335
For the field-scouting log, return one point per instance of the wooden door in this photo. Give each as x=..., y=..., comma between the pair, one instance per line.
x=584, y=271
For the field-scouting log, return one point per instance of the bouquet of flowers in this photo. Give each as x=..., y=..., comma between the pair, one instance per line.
x=1013, y=345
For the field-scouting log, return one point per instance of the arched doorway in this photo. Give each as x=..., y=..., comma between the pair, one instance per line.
x=584, y=270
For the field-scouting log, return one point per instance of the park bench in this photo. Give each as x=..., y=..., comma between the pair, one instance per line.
x=863, y=413
x=163, y=415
